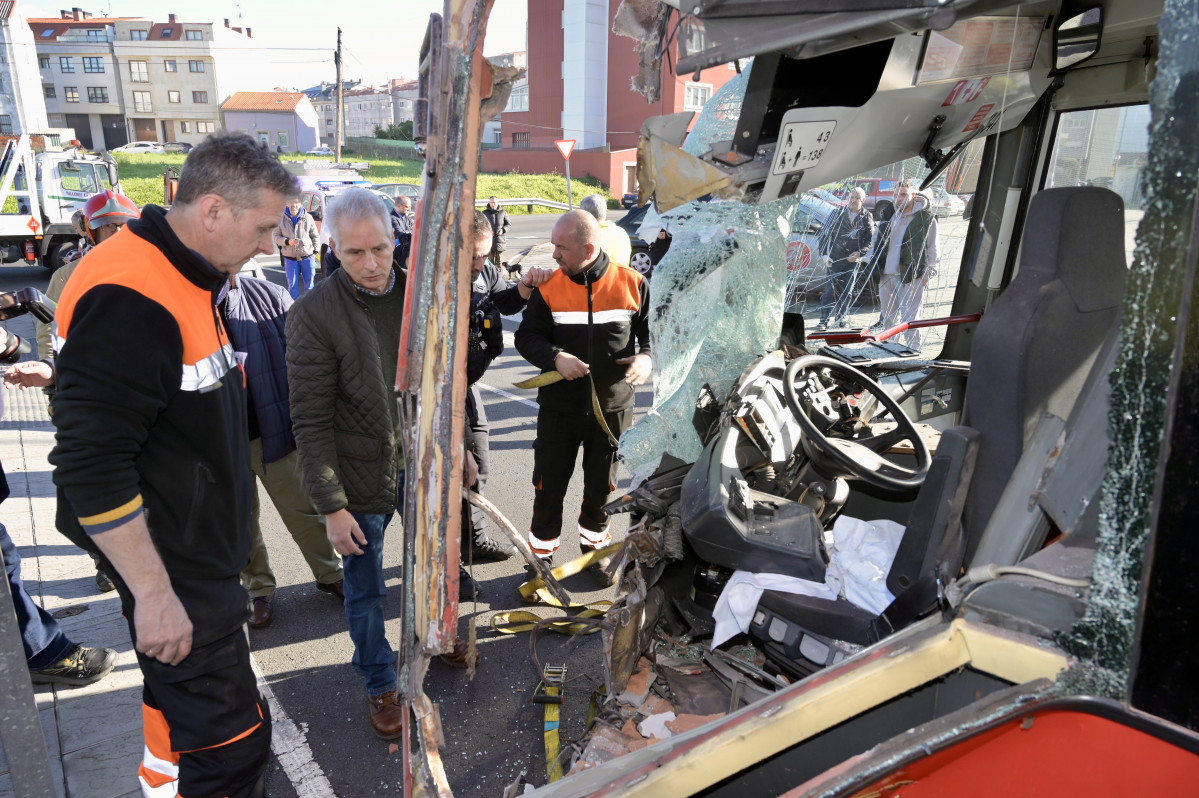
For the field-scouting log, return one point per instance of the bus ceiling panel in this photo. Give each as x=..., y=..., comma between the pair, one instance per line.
x=741, y=31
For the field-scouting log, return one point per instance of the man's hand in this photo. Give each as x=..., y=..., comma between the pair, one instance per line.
x=854, y=256
x=342, y=530
x=535, y=276
x=30, y=374
x=570, y=367
x=164, y=632
x=640, y=366
x=470, y=473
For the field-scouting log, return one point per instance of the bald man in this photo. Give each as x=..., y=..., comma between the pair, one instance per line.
x=590, y=323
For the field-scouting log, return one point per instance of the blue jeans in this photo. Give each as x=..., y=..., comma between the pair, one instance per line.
x=42, y=640
x=296, y=271
x=366, y=592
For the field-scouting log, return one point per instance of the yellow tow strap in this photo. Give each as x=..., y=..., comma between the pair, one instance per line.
x=540, y=381
x=516, y=621
x=534, y=591
x=550, y=377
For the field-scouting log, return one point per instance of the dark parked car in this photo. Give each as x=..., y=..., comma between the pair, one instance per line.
x=629, y=200
x=176, y=146
x=631, y=221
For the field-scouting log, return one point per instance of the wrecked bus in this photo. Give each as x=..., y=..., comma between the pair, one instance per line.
x=963, y=553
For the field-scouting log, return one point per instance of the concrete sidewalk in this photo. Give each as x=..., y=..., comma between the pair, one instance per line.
x=93, y=734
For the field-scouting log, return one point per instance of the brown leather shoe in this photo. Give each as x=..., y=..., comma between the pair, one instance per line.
x=261, y=613
x=387, y=717
x=334, y=589
x=458, y=657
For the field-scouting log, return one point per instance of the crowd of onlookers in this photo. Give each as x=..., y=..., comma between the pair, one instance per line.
x=175, y=381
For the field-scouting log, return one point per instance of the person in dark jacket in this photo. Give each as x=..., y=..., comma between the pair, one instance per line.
x=590, y=323
x=401, y=226
x=343, y=343
x=844, y=241
x=490, y=296
x=499, y=228
x=153, y=457
x=254, y=312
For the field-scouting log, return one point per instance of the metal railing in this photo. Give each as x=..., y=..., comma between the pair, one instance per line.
x=527, y=201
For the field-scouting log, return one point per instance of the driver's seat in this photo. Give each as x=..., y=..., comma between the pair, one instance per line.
x=1031, y=356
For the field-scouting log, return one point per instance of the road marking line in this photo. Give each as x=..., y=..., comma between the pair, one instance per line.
x=291, y=747
x=511, y=396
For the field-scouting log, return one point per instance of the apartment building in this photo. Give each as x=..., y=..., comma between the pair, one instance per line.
x=324, y=100
x=174, y=75
x=366, y=109
x=403, y=99
x=22, y=109
x=80, y=84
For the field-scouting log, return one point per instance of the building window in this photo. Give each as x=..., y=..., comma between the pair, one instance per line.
x=44, y=61
x=499, y=139
x=170, y=66
x=6, y=124
x=695, y=95
x=519, y=99
x=141, y=102
x=328, y=123
x=70, y=94
x=283, y=142
x=194, y=35
x=48, y=91
x=66, y=63
x=137, y=35
x=206, y=127
x=97, y=94
x=48, y=32
x=173, y=97
x=186, y=127
x=95, y=35
x=195, y=66
x=91, y=64
x=139, y=72
x=520, y=141
x=166, y=33
x=199, y=96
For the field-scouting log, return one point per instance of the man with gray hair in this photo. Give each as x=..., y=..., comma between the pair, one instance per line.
x=152, y=457
x=343, y=340
x=843, y=242
x=614, y=241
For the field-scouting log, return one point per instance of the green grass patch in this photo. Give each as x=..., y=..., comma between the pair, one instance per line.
x=141, y=176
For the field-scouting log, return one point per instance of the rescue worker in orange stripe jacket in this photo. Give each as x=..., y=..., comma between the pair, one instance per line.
x=153, y=459
x=589, y=322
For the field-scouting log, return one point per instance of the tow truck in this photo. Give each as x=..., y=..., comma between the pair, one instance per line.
x=35, y=224
x=1030, y=623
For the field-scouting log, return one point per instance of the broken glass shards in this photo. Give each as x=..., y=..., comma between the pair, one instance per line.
x=716, y=304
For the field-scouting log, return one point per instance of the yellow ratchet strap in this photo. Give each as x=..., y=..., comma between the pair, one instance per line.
x=534, y=591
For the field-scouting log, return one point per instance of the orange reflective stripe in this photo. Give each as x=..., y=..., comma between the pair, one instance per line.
x=160, y=765
x=233, y=739
x=618, y=289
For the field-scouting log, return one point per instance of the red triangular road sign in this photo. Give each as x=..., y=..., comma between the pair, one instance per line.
x=565, y=147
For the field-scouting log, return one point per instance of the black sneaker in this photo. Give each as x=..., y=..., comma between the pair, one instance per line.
x=103, y=583
x=532, y=572
x=468, y=588
x=81, y=665
x=488, y=549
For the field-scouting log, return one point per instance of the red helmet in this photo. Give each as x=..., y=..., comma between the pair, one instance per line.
x=108, y=207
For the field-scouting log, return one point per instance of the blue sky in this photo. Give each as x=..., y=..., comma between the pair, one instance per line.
x=300, y=35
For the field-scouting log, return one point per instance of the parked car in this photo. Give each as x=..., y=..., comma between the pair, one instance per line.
x=321, y=150
x=153, y=147
x=827, y=196
x=176, y=146
x=629, y=200
x=397, y=190
x=631, y=221
x=946, y=204
x=806, y=271
x=876, y=188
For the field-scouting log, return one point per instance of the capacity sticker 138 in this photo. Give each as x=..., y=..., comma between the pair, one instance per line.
x=801, y=145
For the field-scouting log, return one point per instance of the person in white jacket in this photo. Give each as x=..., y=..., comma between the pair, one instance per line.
x=298, y=240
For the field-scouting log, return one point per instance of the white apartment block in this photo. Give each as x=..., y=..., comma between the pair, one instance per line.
x=366, y=109
x=175, y=75
x=79, y=81
x=21, y=107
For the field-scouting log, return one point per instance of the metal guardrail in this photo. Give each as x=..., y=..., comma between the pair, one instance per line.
x=528, y=201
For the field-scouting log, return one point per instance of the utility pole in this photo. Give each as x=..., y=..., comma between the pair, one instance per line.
x=340, y=110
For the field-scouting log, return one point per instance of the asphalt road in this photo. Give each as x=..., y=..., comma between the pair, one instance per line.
x=492, y=730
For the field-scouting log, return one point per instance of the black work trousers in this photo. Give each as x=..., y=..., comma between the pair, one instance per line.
x=559, y=436
x=478, y=443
